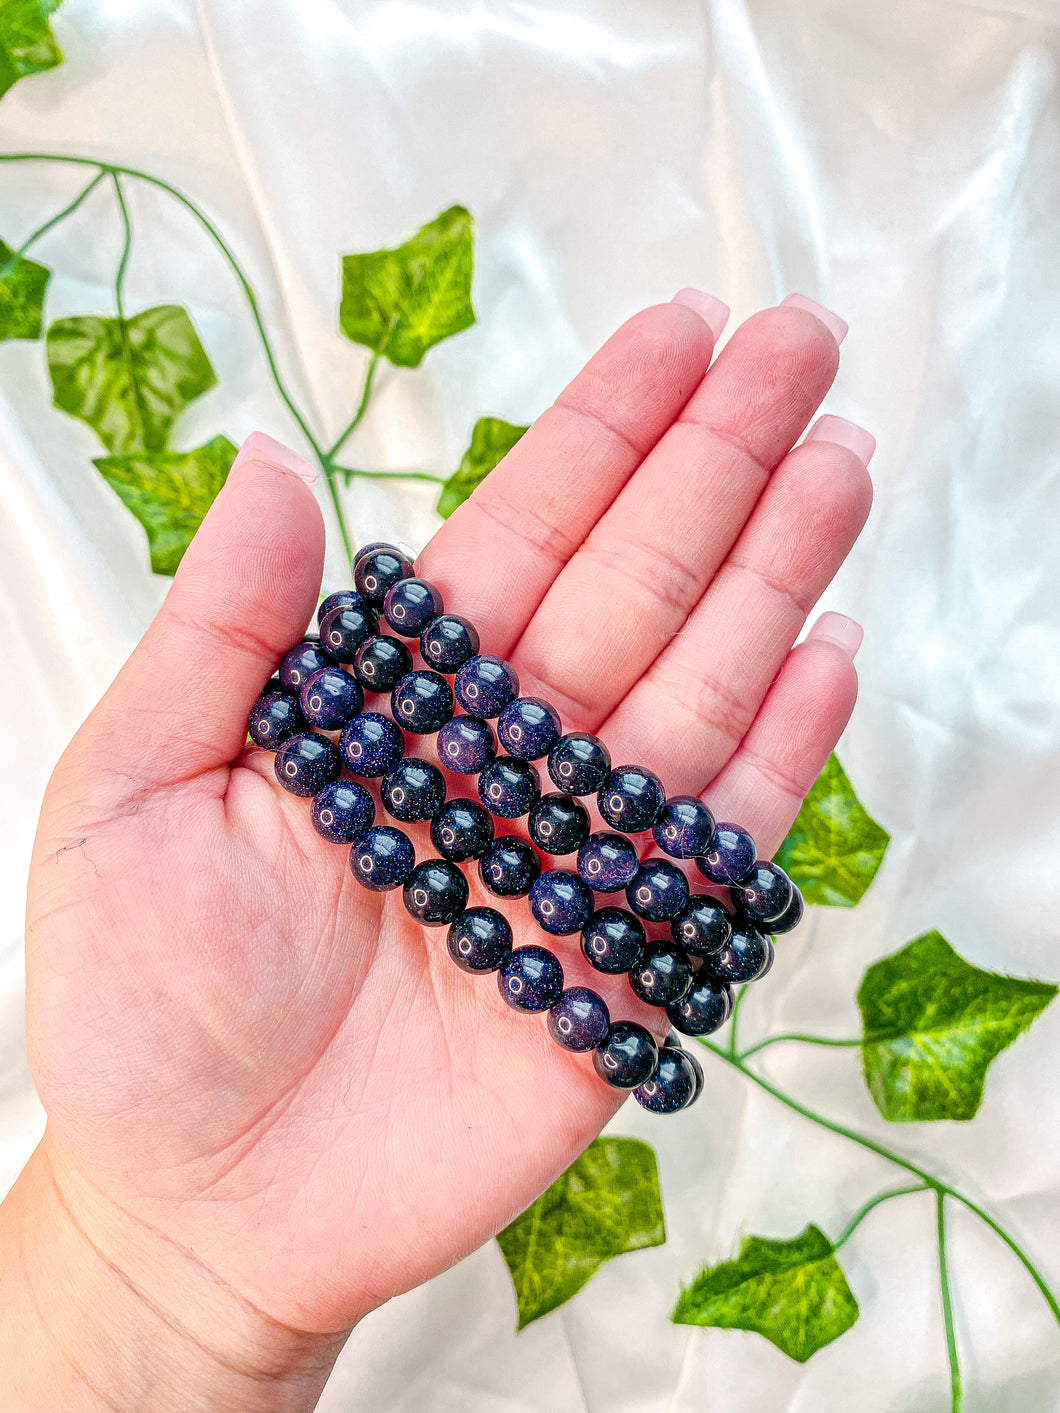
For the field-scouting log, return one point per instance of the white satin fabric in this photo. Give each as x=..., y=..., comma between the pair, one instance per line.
x=897, y=161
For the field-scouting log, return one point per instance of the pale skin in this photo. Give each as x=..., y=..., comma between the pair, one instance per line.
x=273, y=1102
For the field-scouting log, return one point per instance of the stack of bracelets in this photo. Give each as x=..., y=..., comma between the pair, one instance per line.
x=711, y=947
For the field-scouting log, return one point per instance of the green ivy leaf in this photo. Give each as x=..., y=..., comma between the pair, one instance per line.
x=835, y=846
x=169, y=492
x=130, y=379
x=22, y=286
x=607, y=1202
x=27, y=45
x=400, y=302
x=933, y=1024
x=793, y=1292
x=491, y=440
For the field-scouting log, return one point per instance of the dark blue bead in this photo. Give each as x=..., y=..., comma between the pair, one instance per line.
x=485, y=685
x=461, y=830
x=383, y=859
x=380, y=663
x=466, y=744
x=579, y=763
x=731, y=855
x=746, y=956
x=329, y=698
x=422, y=702
x=376, y=572
x=342, y=812
x=345, y=598
x=663, y=975
x=790, y=917
x=560, y=902
x=305, y=764
x=702, y=1010
x=435, y=892
x=628, y=1055
x=659, y=891
x=448, y=641
x=613, y=940
x=410, y=605
x=531, y=979
x=685, y=827
x=763, y=895
x=343, y=630
x=671, y=1087
x=371, y=744
x=558, y=824
x=274, y=718
x=579, y=1020
x=414, y=789
x=703, y=927
x=373, y=545
x=697, y=1071
x=631, y=799
x=480, y=940
x=509, y=866
x=607, y=862
x=298, y=662
x=528, y=728
x=509, y=788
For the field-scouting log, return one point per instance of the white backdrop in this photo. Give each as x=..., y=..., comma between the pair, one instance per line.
x=897, y=161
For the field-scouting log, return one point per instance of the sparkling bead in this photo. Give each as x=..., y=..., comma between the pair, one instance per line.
x=466, y=744
x=509, y=788
x=731, y=855
x=672, y=1087
x=509, y=866
x=480, y=940
x=374, y=545
x=746, y=956
x=531, y=979
x=380, y=663
x=383, y=859
x=685, y=827
x=703, y=927
x=305, y=764
x=435, y=892
x=448, y=641
x=579, y=763
x=703, y=1009
x=631, y=799
x=790, y=917
x=763, y=895
x=697, y=1070
x=558, y=824
x=329, y=698
x=659, y=891
x=343, y=630
x=298, y=662
x=342, y=812
x=461, y=830
x=613, y=940
x=345, y=598
x=274, y=718
x=628, y=1055
x=528, y=728
x=579, y=1020
x=485, y=685
x=410, y=605
x=371, y=744
x=377, y=571
x=414, y=789
x=422, y=702
x=560, y=902
x=663, y=975
x=607, y=862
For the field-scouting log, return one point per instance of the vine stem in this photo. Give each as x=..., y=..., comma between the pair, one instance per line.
x=354, y=421
x=874, y=1202
x=390, y=475
x=43, y=230
x=947, y=1306
x=804, y=1039
x=126, y=250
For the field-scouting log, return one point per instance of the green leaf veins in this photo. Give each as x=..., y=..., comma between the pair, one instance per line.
x=834, y=847
x=491, y=440
x=27, y=45
x=22, y=286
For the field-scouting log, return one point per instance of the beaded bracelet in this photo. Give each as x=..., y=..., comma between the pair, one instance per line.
x=321, y=688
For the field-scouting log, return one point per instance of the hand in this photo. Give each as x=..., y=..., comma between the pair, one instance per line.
x=273, y=1102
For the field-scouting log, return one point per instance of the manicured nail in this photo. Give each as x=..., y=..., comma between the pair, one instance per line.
x=837, y=327
x=268, y=452
x=712, y=311
x=843, y=433
x=836, y=628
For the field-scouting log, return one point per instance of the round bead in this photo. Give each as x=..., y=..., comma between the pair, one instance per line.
x=422, y=701
x=466, y=744
x=531, y=979
x=377, y=571
x=305, y=764
x=671, y=1087
x=380, y=663
x=414, y=789
x=731, y=855
x=461, y=830
x=343, y=630
x=746, y=956
x=703, y=1009
x=663, y=975
x=579, y=1020
x=560, y=902
x=631, y=799
x=373, y=545
x=480, y=940
x=329, y=698
x=274, y=718
x=298, y=662
x=485, y=685
x=558, y=824
x=371, y=744
x=697, y=1071
x=607, y=862
x=703, y=927
x=579, y=763
x=528, y=728
x=613, y=940
x=628, y=1055
x=685, y=827
x=345, y=598
x=448, y=641
x=383, y=859
x=342, y=812
x=790, y=917
x=659, y=891
x=410, y=605
x=763, y=895
x=509, y=788
x=435, y=892
x=509, y=866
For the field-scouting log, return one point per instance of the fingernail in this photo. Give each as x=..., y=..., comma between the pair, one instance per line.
x=712, y=311
x=832, y=322
x=836, y=628
x=269, y=452
x=843, y=433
